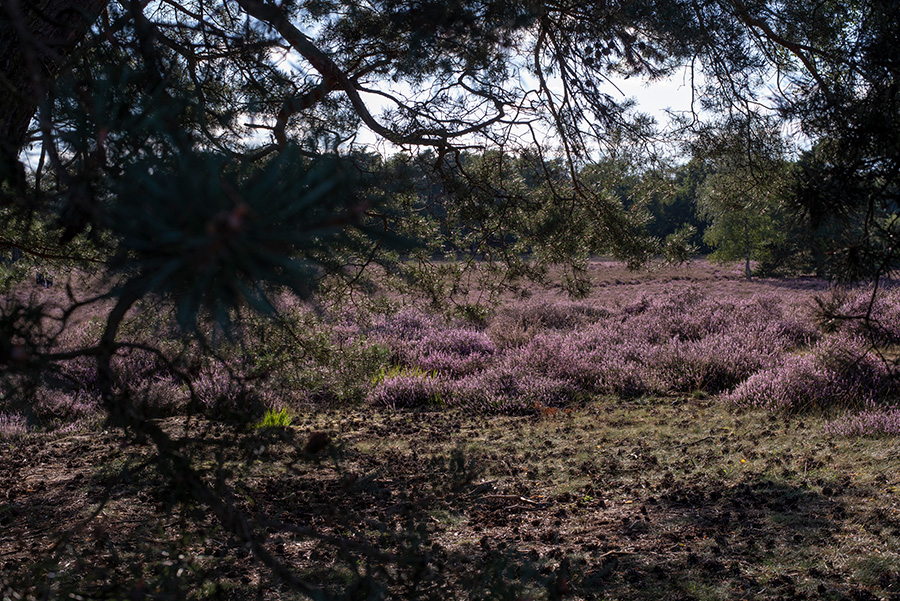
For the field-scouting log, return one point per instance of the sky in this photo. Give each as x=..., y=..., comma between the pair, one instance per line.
x=653, y=98
x=656, y=97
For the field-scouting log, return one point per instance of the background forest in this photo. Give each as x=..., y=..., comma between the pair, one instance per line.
x=338, y=299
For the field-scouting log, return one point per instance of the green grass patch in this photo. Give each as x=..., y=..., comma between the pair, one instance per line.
x=275, y=419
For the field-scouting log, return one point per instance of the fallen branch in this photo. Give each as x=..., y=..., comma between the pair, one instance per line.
x=690, y=444
x=516, y=498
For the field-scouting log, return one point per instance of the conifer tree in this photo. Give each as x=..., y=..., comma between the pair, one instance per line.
x=210, y=153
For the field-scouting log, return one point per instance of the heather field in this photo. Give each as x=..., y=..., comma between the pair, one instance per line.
x=679, y=433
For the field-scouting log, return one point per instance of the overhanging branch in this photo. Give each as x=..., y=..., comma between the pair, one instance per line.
x=336, y=78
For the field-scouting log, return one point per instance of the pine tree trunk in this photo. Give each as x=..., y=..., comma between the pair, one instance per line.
x=746, y=249
x=36, y=37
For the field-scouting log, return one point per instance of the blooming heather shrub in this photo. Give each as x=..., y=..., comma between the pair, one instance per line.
x=508, y=330
x=684, y=341
x=57, y=408
x=215, y=387
x=12, y=426
x=394, y=371
x=503, y=388
x=458, y=342
x=637, y=307
x=516, y=325
x=161, y=395
x=499, y=391
x=558, y=356
x=421, y=341
x=695, y=365
x=451, y=364
x=678, y=341
x=587, y=362
x=154, y=389
x=83, y=333
x=531, y=353
x=507, y=389
x=884, y=321
x=455, y=352
x=683, y=314
x=80, y=374
x=408, y=326
x=536, y=389
x=716, y=362
x=688, y=314
x=242, y=405
x=794, y=332
x=561, y=315
x=621, y=376
x=889, y=315
x=229, y=394
x=411, y=391
x=836, y=373
x=134, y=366
x=493, y=387
x=875, y=421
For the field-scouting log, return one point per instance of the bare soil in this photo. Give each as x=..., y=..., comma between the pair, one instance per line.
x=675, y=498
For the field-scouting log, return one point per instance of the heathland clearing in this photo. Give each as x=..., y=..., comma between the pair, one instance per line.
x=653, y=440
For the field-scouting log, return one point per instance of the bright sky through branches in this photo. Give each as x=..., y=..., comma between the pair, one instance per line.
x=654, y=98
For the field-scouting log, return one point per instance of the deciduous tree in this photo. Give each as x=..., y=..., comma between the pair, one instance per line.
x=745, y=193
